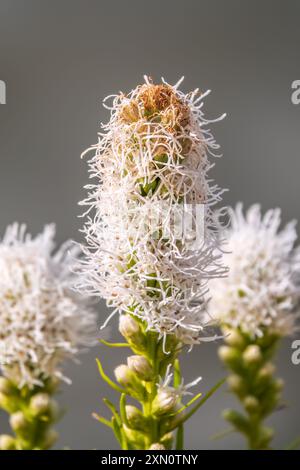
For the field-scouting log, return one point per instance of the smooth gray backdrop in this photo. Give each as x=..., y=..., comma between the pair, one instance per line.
x=59, y=58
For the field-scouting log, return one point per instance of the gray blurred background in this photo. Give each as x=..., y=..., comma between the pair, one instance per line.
x=60, y=58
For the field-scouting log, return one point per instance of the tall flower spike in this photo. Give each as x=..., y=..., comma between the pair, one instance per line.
x=150, y=163
x=42, y=323
x=151, y=246
x=257, y=305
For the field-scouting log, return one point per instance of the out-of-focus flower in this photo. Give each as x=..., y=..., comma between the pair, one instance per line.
x=42, y=321
x=262, y=290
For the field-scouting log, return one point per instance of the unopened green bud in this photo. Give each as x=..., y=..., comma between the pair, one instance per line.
x=164, y=402
x=237, y=419
x=131, y=331
x=5, y=402
x=167, y=440
x=157, y=446
x=251, y=404
x=5, y=386
x=265, y=436
x=252, y=354
x=40, y=404
x=136, y=419
x=235, y=383
x=134, y=437
x=50, y=439
x=129, y=380
x=7, y=442
x=266, y=371
x=279, y=384
x=141, y=366
x=229, y=355
x=233, y=337
x=18, y=421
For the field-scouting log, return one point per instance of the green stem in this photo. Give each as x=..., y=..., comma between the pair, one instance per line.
x=159, y=413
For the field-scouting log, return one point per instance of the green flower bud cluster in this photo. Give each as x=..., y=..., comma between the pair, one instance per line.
x=160, y=412
x=252, y=380
x=32, y=412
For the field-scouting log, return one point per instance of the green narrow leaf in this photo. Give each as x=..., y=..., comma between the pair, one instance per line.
x=222, y=434
x=199, y=404
x=107, y=379
x=177, y=373
x=295, y=444
x=184, y=407
x=113, y=409
x=116, y=430
x=114, y=345
x=123, y=409
x=102, y=420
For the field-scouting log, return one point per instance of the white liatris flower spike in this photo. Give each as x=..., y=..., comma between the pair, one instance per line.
x=42, y=321
x=151, y=162
x=262, y=291
x=152, y=245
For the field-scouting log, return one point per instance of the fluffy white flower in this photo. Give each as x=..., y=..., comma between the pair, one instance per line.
x=150, y=162
x=42, y=321
x=262, y=290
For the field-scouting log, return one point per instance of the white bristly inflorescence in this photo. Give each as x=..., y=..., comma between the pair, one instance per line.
x=150, y=162
x=262, y=290
x=42, y=321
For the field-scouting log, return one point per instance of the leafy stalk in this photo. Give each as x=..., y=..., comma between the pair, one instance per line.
x=32, y=413
x=251, y=379
x=159, y=412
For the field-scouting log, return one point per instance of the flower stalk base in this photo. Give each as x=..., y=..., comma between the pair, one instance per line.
x=157, y=422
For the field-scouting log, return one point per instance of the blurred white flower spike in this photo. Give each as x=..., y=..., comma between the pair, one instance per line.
x=153, y=153
x=42, y=321
x=262, y=291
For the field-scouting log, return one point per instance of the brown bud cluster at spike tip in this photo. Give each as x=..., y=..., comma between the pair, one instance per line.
x=157, y=103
